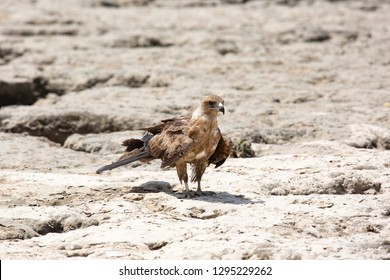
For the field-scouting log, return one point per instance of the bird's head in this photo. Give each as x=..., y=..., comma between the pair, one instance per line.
x=213, y=104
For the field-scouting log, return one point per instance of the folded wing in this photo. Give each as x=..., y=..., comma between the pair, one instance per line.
x=222, y=151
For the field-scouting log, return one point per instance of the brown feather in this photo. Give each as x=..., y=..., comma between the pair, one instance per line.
x=154, y=129
x=172, y=142
x=222, y=151
x=194, y=140
x=132, y=144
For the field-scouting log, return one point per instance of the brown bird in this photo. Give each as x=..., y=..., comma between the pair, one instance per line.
x=194, y=139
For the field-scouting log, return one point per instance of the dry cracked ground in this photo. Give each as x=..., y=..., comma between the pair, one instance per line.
x=306, y=86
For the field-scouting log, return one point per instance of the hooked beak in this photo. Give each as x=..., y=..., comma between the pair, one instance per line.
x=221, y=108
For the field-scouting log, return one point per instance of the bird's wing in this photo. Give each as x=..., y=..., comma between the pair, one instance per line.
x=172, y=143
x=160, y=127
x=222, y=151
x=154, y=129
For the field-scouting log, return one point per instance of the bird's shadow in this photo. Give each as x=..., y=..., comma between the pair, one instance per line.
x=215, y=197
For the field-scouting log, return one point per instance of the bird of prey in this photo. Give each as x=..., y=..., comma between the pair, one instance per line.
x=194, y=140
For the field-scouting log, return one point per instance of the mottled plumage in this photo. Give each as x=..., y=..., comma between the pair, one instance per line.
x=194, y=140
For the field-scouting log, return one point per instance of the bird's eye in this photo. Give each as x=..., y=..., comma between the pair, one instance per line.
x=212, y=103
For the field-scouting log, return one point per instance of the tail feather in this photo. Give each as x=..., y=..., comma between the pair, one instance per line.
x=124, y=161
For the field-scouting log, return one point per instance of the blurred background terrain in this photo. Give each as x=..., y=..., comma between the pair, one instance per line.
x=306, y=88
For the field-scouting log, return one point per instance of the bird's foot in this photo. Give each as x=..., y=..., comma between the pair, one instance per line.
x=188, y=194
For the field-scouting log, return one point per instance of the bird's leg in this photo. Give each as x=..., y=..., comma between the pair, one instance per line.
x=197, y=176
x=181, y=169
x=199, y=190
x=187, y=193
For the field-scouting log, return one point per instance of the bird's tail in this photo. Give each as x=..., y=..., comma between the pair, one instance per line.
x=142, y=155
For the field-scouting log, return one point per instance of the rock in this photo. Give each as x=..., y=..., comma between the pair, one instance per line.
x=315, y=35
x=156, y=245
x=132, y=80
x=57, y=128
x=38, y=31
x=27, y=227
x=13, y=232
x=99, y=143
x=224, y=47
x=20, y=151
x=291, y=3
x=9, y=53
x=138, y=41
x=20, y=91
x=345, y=184
x=66, y=117
x=353, y=185
x=234, y=1
x=16, y=92
x=369, y=137
x=276, y=136
x=122, y=3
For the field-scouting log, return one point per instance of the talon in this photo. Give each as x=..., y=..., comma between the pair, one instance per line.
x=199, y=193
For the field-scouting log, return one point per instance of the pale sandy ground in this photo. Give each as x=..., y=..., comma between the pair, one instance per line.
x=306, y=83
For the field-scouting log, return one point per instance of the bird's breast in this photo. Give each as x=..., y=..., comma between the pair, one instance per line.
x=205, y=134
x=202, y=150
x=200, y=155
